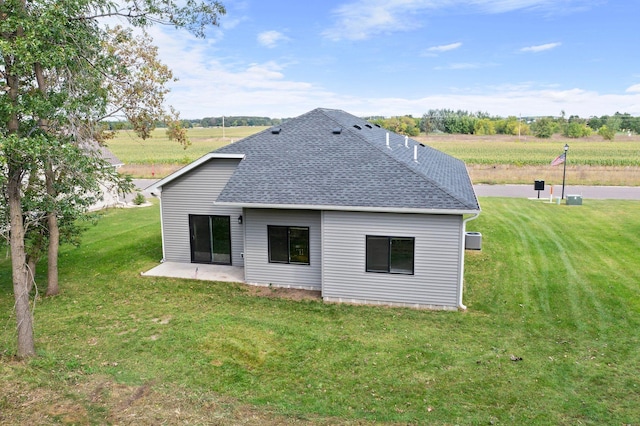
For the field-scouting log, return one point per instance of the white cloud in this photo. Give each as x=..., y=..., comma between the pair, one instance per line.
x=465, y=66
x=548, y=6
x=271, y=39
x=215, y=86
x=444, y=47
x=363, y=19
x=634, y=89
x=528, y=103
x=540, y=47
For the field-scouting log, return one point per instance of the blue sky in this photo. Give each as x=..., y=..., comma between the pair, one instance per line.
x=281, y=58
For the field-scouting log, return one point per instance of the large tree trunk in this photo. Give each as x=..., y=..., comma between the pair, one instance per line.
x=24, y=318
x=20, y=275
x=52, y=217
x=54, y=235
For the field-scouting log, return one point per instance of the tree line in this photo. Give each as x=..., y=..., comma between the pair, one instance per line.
x=231, y=121
x=452, y=122
x=481, y=123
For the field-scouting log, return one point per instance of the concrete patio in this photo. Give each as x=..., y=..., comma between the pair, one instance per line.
x=197, y=271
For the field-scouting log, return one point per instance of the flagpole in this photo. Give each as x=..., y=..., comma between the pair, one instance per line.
x=564, y=171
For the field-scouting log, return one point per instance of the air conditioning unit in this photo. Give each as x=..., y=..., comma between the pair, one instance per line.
x=473, y=241
x=574, y=200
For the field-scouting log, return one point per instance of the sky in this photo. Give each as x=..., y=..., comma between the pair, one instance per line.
x=282, y=58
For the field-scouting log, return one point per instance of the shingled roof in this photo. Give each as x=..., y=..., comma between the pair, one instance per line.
x=331, y=159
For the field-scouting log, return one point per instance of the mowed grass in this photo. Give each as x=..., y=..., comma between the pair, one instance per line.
x=557, y=286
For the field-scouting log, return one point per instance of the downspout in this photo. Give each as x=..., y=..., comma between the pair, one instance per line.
x=462, y=249
x=157, y=194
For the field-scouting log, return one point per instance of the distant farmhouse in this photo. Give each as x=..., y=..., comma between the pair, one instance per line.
x=326, y=201
x=108, y=190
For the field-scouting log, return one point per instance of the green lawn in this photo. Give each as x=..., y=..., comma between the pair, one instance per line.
x=558, y=286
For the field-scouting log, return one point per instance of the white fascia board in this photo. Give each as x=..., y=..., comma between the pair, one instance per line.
x=346, y=208
x=157, y=187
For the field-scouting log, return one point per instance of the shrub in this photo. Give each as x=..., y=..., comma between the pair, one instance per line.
x=576, y=130
x=139, y=199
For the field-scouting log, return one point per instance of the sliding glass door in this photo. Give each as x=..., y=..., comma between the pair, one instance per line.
x=210, y=239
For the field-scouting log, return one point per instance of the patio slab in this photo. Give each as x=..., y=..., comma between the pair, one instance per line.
x=197, y=271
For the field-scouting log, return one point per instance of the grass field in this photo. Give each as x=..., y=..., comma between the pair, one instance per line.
x=507, y=159
x=558, y=286
x=491, y=159
x=531, y=151
x=160, y=150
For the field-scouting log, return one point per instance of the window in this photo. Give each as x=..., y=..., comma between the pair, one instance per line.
x=392, y=255
x=288, y=244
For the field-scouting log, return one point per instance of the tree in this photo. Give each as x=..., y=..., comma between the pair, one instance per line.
x=64, y=72
x=543, y=127
x=512, y=126
x=607, y=133
x=576, y=129
x=405, y=125
x=484, y=126
x=460, y=122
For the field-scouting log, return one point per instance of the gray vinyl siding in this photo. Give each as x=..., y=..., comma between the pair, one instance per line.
x=195, y=193
x=436, y=264
x=258, y=270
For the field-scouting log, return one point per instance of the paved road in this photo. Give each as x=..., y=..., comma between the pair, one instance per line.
x=524, y=191
x=593, y=192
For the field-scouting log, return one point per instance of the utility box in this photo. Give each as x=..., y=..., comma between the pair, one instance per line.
x=574, y=200
x=473, y=241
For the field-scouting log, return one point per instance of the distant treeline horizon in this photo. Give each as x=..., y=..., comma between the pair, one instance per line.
x=450, y=121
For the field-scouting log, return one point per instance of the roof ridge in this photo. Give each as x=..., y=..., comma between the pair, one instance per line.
x=424, y=176
x=384, y=150
x=392, y=178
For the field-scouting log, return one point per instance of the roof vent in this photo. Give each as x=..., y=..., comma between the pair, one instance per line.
x=276, y=130
x=422, y=145
x=377, y=125
x=357, y=127
x=336, y=130
x=368, y=125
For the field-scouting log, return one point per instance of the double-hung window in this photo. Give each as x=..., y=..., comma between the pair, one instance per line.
x=393, y=255
x=288, y=244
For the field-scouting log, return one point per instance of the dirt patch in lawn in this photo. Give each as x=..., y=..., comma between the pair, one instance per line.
x=284, y=293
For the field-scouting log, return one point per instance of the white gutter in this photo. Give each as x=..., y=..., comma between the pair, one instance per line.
x=346, y=208
x=462, y=249
x=164, y=255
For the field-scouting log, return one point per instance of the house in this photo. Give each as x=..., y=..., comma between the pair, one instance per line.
x=109, y=196
x=329, y=202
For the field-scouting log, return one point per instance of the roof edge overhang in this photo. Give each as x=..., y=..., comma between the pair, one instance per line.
x=157, y=187
x=347, y=208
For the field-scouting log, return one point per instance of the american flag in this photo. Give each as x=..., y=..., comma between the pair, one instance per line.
x=559, y=159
